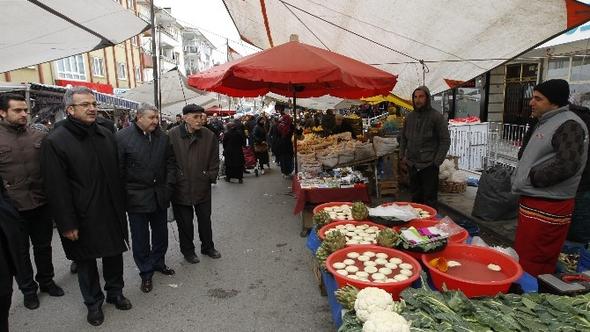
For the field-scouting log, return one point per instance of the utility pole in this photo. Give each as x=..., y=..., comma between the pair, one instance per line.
x=155, y=64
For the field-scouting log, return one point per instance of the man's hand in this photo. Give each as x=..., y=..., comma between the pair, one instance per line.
x=71, y=235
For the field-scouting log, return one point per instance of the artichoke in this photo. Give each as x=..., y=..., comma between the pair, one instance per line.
x=320, y=219
x=333, y=241
x=388, y=238
x=346, y=296
x=360, y=211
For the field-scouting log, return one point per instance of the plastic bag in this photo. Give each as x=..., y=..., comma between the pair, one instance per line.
x=364, y=151
x=494, y=199
x=328, y=160
x=384, y=145
x=346, y=156
x=459, y=176
x=403, y=212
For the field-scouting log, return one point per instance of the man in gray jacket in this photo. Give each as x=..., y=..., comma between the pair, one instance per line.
x=424, y=143
x=547, y=177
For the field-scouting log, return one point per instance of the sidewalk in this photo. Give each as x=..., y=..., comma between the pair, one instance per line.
x=462, y=204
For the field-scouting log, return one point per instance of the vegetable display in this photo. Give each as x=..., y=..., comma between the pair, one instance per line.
x=373, y=267
x=356, y=233
x=333, y=241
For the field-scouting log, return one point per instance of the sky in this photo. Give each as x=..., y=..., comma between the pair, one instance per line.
x=211, y=17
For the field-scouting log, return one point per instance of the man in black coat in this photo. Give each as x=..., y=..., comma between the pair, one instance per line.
x=148, y=171
x=81, y=176
x=12, y=252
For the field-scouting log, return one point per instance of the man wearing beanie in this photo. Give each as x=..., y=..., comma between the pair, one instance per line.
x=547, y=177
x=197, y=155
x=424, y=143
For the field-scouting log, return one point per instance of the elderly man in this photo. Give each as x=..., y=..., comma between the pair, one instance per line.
x=547, y=177
x=148, y=171
x=424, y=143
x=197, y=154
x=20, y=168
x=81, y=174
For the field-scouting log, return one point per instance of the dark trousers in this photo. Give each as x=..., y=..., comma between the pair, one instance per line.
x=149, y=259
x=4, y=309
x=89, y=280
x=38, y=227
x=186, y=229
x=424, y=185
x=286, y=161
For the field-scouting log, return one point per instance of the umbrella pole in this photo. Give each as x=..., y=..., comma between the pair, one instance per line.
x=295, y=131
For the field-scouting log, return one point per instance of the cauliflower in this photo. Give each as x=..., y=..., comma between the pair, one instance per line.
x=386, y=321
x=370, y=300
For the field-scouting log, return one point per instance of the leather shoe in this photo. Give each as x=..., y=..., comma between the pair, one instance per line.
x=193, y=259
x=211, y=253
x=146, y=285
x=120, y=302
x=166, y=271
x=95, y=317
x=52, y=289
x=31, y=301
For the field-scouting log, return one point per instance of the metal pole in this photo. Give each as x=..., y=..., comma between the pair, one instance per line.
x=295, y=132
x=154, y=55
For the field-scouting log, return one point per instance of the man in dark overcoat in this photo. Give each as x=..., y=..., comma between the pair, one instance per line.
x=81, y=175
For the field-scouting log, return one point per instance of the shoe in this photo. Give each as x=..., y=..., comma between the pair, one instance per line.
x=304, y=232
x=240, y=181
x=31, y=301
x=246, y=171
x=146, y=285
x=52, y=289
x=74, y=268
x=211, y=253
x=120, y=302
x=95, y=317
x=193, y=259
x=166, y=271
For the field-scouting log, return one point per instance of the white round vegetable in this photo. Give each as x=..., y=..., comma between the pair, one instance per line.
x=406, y=266
x=378, y=276
x=363, y=258
x=395, y=260
x=372, y=299
x=364, y=242
x=369, y=263
x=390, y=280
x=352, y=276
x=353, y=254
x=381, y=261
x=406, y=273
x=400, y=277
x=453, y=263
x=348, y=262
x=370, y=269
x=351, y=269
x=385, y=271
x=381, y=255
x=342, y=272
x=494, y=267
x=369, y=254
x=340, y=226
x=338, y=265
x=362, y=274
x=363, y=226
x=350, y=234
x=370, y=230
x=391, y=266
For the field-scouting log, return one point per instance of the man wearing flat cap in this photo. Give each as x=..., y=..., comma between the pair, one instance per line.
x=547, y=177
x=197, y=155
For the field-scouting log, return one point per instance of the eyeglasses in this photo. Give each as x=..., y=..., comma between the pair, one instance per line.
x=85, y=105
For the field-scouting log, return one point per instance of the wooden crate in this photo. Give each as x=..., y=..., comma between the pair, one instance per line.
x=315, y=268
x=389, y=187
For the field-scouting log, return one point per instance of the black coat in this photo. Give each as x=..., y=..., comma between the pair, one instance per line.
x=11, y=249
x=148, y=169
x=233, y=141
x=83, y=185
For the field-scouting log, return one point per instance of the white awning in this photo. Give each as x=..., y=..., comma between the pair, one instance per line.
x=37, y=31
x=454, y=40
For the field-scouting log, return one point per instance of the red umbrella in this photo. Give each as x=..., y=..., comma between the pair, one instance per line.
x=309, y=70
x=295, y=70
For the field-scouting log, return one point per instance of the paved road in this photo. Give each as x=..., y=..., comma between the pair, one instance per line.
x=263, y=282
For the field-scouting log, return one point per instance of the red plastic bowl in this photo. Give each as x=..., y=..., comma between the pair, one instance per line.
x=421, y=223
x=426, y=208
x=472, y=288
x=320, y=207
x=395, y=288
x=322, y=231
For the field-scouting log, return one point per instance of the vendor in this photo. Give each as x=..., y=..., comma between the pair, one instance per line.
x=547, y=177
x=342, y=126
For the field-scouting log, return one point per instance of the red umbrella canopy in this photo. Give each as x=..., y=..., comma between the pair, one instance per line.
x=312, y=71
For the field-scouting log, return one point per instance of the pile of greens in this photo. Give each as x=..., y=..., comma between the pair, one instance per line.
x=453, y=311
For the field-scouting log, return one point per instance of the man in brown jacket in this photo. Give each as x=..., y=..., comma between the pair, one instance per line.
x=20, y=169
x=197, y=155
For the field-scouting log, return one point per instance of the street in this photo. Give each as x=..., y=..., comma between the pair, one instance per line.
x=263, y=282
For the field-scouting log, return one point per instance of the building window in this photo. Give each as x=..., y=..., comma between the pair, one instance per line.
x=71, y=68
x=121, y=71
x=137, y=74
x=580, y=69
x=130, y=4
x=97, y=66
x=558, y=68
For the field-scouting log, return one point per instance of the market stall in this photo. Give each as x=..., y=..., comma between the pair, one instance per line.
x=464, y=286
